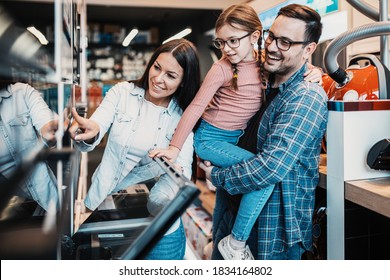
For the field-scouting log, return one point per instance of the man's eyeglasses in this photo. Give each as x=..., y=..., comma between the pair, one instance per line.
x=282, y=43
x=233, y=43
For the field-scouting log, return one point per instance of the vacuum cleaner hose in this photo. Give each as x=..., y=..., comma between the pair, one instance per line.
x=343, y=40
x=365, y=9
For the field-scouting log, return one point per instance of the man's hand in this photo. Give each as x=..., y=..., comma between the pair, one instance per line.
x=207, y=167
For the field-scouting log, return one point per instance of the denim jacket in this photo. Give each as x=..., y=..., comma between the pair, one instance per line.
x=119, y=114
x=23, y=112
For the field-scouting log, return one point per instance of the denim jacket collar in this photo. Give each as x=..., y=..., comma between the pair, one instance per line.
x=172, y=106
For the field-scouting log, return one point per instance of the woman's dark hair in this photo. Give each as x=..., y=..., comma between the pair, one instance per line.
x=186, y=55
x=309, y=16
x=5, y=81
x=243, y=17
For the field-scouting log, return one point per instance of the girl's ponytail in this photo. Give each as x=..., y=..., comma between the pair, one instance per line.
x=235, y=77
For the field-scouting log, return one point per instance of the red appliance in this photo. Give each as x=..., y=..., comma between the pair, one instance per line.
x=367, y=80
x=363, y=83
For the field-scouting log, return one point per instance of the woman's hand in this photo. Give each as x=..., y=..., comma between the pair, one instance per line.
x=82, y=129
x=48, y=132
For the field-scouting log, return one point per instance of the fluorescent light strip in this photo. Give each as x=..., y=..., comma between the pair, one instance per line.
x=42, y=39
x=179, y=35
x=130, y=37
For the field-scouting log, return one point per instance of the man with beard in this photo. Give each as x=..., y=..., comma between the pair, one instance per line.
x=288, y=133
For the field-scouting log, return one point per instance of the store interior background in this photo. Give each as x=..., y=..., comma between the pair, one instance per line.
x=109, y=62
x=108, y=23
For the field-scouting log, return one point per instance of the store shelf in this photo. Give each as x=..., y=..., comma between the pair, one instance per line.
x=136, y=46
x=113, y=61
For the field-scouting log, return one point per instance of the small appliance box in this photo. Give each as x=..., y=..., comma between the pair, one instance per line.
x=197, y=224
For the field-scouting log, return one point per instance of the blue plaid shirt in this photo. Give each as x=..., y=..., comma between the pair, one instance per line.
x=288, y=145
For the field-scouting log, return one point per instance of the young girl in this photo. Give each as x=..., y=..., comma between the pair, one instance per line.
x=230, y=95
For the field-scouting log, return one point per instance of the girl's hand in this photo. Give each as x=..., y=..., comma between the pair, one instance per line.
x=171, y=153
x=81, y=128
x=313, y=74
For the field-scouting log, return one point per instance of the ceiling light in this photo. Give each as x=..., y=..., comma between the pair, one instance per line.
x=42, y=39
x=179, y=35
x=130, y=37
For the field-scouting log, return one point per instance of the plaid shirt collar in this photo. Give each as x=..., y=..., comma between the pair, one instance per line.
x=291, y=80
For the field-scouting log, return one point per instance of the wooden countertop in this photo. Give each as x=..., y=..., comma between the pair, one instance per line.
x=373, y=194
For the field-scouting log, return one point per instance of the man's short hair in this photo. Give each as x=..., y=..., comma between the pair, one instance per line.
x=309, y=16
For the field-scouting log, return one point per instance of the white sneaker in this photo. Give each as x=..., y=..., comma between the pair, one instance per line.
x=228, y=253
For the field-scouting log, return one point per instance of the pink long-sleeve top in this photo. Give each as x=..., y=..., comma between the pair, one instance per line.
x=219, y=104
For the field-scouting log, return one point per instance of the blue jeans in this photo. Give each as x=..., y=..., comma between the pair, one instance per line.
x=220, y=147
x=224, y=227
x=170, y=247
